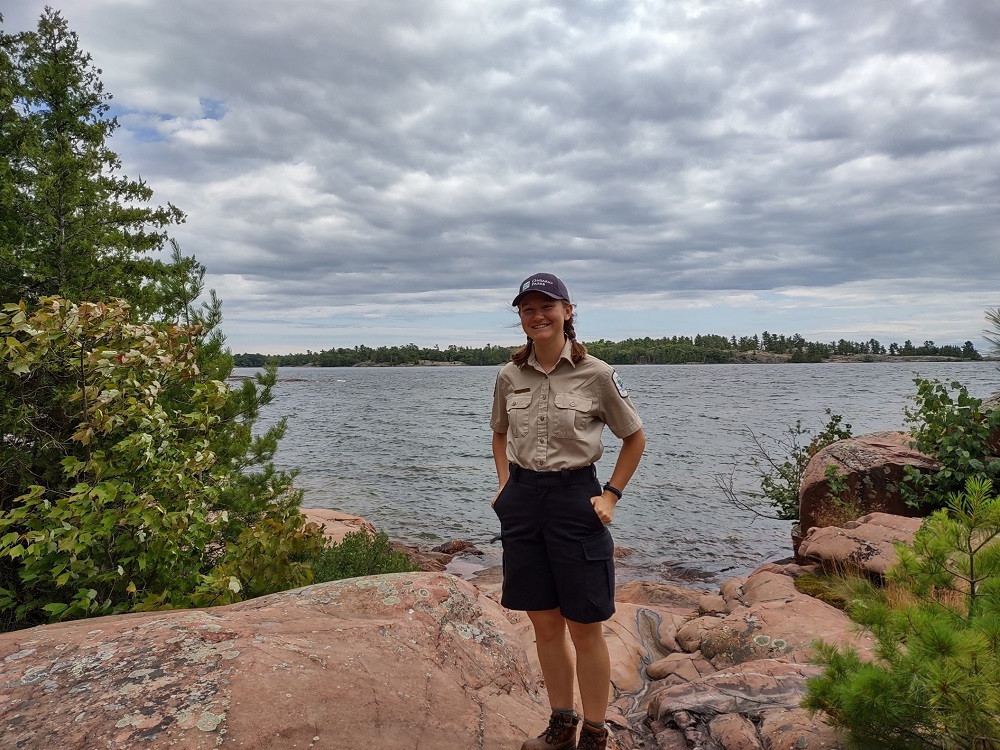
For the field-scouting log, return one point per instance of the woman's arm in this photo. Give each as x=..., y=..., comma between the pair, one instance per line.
x=500, y=460
x=628, y=460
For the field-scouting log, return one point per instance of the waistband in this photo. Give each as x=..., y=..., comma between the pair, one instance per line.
x=566, y=477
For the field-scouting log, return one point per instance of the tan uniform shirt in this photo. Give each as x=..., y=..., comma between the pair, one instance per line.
x=555, y=421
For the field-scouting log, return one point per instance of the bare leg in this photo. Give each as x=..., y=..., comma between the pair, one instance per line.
x=554, y=656
x=593, y=668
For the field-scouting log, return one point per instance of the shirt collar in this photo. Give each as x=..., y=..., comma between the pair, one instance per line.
x=565, y=354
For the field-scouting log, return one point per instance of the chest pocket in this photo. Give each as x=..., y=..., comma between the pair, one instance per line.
x=573, y=415
x=517, y=413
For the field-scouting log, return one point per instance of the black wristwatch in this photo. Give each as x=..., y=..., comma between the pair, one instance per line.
x=613, y=490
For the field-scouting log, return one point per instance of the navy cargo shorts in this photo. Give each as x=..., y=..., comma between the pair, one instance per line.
x=556, y=551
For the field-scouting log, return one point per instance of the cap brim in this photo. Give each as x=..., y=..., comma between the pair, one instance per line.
x=529, y=291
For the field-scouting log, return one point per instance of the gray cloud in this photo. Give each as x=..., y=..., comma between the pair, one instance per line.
x=393, y=154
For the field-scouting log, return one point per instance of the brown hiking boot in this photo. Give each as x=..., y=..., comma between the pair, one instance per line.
x=560, y=734
x=594, y=739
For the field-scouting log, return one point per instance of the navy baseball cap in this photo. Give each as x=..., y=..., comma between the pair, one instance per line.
x=545, y=283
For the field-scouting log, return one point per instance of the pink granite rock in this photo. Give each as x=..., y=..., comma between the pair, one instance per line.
x=774, y=621
x=747, y=688
x=795, y=729
x=734, y=732
x=867, y=544
x=665, y=595
x=872, y=468
x=679, y=668
x=396, y=661
x=336, y=524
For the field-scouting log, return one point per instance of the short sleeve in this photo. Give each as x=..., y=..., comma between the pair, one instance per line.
x=498, y=415
x=617, y=411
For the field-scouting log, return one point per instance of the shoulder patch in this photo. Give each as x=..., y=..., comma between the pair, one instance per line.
x=619, y=383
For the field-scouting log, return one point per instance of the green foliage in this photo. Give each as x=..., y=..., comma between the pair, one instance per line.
x=70, y=224
x=955, y=430
x=935, y=678
x=360, y=554
x=114, y=497
x=826, y=588
x=130, y=475
x=992, y=334
x=780, y=463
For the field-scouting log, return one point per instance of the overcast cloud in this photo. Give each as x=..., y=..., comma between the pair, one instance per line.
x=375, y=172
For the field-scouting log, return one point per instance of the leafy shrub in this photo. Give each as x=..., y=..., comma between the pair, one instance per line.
x=957, y=432
x=361, y=553
x=781, y=478
x=935, y=679
x=111, y=492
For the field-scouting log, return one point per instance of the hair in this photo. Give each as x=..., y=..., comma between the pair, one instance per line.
x=577, y=350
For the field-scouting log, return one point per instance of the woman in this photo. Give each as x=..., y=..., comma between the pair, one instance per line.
x=550, y=405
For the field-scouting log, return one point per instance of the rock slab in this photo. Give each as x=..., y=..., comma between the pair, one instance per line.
x=352, y=665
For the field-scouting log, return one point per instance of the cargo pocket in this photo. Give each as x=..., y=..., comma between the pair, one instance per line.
x=599, y=568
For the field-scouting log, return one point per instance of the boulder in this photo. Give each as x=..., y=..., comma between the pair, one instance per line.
x=395, y=661
x=455, y=546
x=734, y=732
x=773, y=621
x=871, y=467
x=427, y=560
x=866, y=545
x=679, y=668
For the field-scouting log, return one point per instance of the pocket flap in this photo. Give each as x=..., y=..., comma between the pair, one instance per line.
x=574, y=401
x=600, y=547
x=518, y=401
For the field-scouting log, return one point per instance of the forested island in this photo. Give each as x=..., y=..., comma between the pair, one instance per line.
x=700, y=349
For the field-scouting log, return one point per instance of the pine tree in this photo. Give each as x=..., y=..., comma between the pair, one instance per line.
x=935, y=678
x=74, y=235
x=70, y=224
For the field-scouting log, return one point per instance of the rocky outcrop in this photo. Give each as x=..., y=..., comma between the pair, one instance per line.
x=768, y=619
x=336, y=525
x=398, y=661
x=724, y=710
x=427, y=660
x=870, y=467
x=866, y=545
x=741, y=671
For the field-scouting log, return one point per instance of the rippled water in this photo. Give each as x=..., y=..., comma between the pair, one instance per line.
x=409, y=448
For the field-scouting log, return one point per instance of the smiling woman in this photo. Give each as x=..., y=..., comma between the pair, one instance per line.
x=551, y=403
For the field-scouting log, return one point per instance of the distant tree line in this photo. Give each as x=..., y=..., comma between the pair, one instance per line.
x=700, y=349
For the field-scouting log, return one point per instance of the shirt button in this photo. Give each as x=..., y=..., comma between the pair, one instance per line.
x=572, y=403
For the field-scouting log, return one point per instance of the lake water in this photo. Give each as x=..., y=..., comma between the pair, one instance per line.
x=409, y=449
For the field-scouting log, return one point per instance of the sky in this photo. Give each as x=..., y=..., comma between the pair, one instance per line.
x=386, y=172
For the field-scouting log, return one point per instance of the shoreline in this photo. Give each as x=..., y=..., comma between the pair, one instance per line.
x=744, y=358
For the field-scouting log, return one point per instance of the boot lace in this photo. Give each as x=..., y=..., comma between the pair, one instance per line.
x=593, y=740
x=558, y=723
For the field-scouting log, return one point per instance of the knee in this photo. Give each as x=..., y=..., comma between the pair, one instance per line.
x=548, y=627
x=588, y=638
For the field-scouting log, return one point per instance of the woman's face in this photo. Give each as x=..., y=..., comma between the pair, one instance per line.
x=543, y=318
